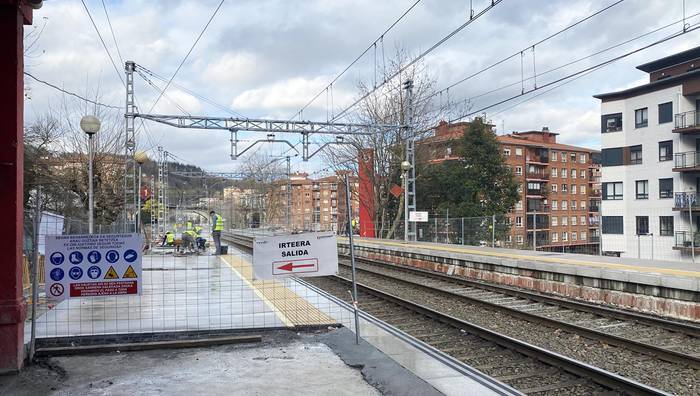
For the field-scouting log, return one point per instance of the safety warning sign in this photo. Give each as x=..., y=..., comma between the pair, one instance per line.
x=308, y=254
x=89, y=265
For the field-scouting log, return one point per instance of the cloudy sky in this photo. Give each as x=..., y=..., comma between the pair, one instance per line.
x=268, y=58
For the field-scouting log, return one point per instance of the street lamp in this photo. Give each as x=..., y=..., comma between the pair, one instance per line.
x=405, y=167
x=140, y=157
x=90, y=125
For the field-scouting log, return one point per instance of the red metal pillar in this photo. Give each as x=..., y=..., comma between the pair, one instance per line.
x=13, y=15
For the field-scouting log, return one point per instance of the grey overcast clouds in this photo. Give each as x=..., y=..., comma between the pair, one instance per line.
x=267, y=58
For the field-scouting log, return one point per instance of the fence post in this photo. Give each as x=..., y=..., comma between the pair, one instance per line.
x=493, y=231
x=35, y=271
x=436, y=230
x=462, y=230
x=447, y=227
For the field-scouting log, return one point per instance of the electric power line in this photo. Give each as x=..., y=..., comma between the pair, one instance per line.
x=187, y=55
x=419, y=57
x=71, y=93
x=373, y=45
x=114, y=37
x=103, y=43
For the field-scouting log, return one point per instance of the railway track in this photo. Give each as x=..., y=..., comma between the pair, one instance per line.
x=667, y=340
x=525, y=367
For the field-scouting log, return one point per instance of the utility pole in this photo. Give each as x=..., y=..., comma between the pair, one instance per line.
x=130, y=195
x=411, y=159
x=289, y=194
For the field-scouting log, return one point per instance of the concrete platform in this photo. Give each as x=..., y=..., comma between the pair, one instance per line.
x=658, y=287
x=284, y=363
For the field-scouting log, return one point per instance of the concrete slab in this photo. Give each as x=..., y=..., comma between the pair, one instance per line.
x=285, y=363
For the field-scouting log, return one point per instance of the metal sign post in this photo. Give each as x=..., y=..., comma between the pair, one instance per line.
x=352, y=258
x=35, y=271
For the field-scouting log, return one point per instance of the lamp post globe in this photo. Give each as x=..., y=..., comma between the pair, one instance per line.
x=405, y=166
x=90, y=124
x=140, y=157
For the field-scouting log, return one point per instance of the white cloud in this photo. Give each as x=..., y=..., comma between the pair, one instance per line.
x=234, y=69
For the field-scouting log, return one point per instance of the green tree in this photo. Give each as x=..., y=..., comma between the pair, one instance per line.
x=477, y=184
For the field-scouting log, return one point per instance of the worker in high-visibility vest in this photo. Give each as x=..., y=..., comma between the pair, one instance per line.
x=168, y=239
x=188, y=238
x=189, y=225
x=217, y=225
x=200, y=241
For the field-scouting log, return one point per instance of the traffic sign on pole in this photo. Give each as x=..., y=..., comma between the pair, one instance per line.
x=308, y=254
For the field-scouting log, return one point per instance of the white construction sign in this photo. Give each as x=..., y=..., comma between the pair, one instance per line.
x=308, y=254
x=92, y=265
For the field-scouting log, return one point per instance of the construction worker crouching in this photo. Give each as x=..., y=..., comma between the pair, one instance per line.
x=201, y=241
x=188, y=240
x=168, y=239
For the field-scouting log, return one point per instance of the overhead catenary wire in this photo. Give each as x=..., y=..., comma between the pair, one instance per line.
x=216, y=11
x=580, y=72
x=374, y=44
x=419, y=57
x=104, y=45
x=111, y=29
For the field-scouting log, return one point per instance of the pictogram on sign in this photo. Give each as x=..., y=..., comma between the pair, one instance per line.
x=129, y=273
x=56, y=289
x=294, y=266
x=111, y=273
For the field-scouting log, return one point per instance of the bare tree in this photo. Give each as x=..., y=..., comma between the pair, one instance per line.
x=388, y=105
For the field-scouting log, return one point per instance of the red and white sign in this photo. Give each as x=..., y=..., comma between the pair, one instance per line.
x=294, y=266
x=308, y=254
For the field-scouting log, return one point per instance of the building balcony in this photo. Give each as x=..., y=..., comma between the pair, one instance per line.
x=684, y=200
x=594, y=239
x=688, y=122
x=543, y=176
x=536, y=160
x=533, y=192
x=688, y=161
x=683, y=241
x=538, y=209
x=593, y=208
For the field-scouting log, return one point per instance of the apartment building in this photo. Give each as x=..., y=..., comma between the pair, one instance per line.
x=316, y=204
x=559, y=187
x=651, y=161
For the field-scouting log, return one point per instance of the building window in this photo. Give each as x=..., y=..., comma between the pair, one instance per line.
x=666, y=188
x=518, y=221
x=612, y=191
x=519, y=205
x=555, y=172
x=573, y=157
x=519, y=151
x=555, y=221
x=564, y=236
x=583, y=235
x=564, y=173
x=582, y=174
x=642, y=189
x=564, y=188
x=611, y=123
x=636, y=155
x=554, y=187
x=582, y=158
x=510, y=238
x=564, y=221
x=573, y=173
x=574, y=220
x=642, y=225
x=574, y=236
x=582, y=219
x=555, y=205
x=555, y=237
x=611, y=156
x=666, y=225
x=665, y=112
x=554, y=155
x=564, y=205
x=641, y=118
x=519, y=170
x=583, y=205
x=666, y=150
x=519, y=238
x=573, y=205
x=448, y=152
x=612, y=225
x=563, y=157
x=582, y=189
x=573, y=189
x=506, y=151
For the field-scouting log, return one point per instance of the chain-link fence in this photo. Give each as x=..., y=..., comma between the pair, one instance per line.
x=184, y=287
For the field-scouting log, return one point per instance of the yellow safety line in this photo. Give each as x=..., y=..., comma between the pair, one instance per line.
x=269, y=303
x=536, y=258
